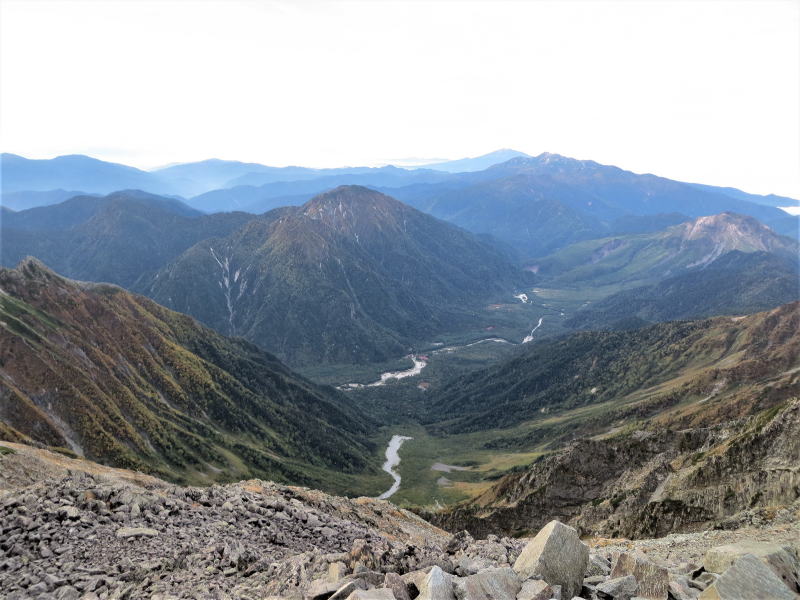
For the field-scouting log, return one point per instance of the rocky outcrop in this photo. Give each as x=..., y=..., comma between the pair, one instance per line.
x=648, y=483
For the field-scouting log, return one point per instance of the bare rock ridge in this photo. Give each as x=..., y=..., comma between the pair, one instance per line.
x=72, y=529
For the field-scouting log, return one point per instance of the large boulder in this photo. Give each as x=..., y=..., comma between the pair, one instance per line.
x=556, y=555
x=490, y=584
x=782, y=560
x=653, y=580
x=748, y=578
x=437, y=585
x=394, y=582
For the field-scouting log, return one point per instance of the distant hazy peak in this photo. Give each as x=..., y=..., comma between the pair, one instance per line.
x=477, y=163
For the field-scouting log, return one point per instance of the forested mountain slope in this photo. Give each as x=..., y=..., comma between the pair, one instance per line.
x=116, y=378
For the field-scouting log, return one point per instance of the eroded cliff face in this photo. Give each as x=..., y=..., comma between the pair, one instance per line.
x=649, y=483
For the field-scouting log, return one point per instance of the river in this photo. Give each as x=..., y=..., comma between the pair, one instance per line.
x=529, y=337
x=419, y=364
x=393, y=460
x=421, y=361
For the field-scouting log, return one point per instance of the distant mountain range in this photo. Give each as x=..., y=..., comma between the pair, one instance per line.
x=736, y=283
x=217, y=185
x=23, y=176
x=259, y=192
x=351, y=276
x=114, y=377
x=647, y=257
x=76, y=172
x=477, y=163
x=116, y=238
x=23, y=200
x=541, y=203
x=536, y=204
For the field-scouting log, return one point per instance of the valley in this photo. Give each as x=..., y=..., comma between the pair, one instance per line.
x=694, y=390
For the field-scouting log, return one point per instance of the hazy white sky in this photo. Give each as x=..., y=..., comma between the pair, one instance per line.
x=696, y=90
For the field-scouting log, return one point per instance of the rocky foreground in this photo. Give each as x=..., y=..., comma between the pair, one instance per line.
x=73, y=529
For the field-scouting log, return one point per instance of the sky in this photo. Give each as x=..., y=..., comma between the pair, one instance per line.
x=695, y=90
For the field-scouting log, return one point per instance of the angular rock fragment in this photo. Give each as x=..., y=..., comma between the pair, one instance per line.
x=336, y=571
x=376, y=594
x=535, y=589
x=618, y=588
x=127, y=532
x=68, y=512
x=680, y=589
x=489, y=584
x=748, y=577
x=653, y=581
x=781, y=559
x=437, y=585
x=394, y=582
x=597, y=566
x=347, y=588
x=558, y=556
x=703, y=580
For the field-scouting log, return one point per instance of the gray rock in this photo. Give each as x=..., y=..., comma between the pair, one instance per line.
x=489, y=584
x=653, y=580
x=126, y=532
x=535, y=589
x=394, y=582
x=598, y=566
x=345, y=589
x=781, y=559
x=437, y=585
x=703, y=580
x=557, y=555
x=469, y=565
x=336, y=570
x=371, y=578
x=37, y=588
x=376, y=594
x=459, y=542
x=322, y=588
x=66, y=592
x=68, y=512
x=680, y=589
x=619, y=588
x=748, y=578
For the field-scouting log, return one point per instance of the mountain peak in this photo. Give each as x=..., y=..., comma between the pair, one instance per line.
x=348, y=200
x=31, y=267
x=734, y=231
